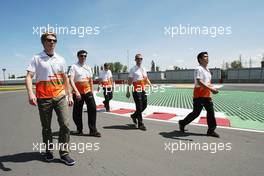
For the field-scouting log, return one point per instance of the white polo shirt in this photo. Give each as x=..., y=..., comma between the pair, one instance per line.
x=137, y=73
x=205, y=76
x=105, y=75
x=82, y=76
x=139, y=77
x=49, y=73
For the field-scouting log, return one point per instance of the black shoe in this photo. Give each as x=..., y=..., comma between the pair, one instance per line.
x=181, y=126
x=95, y=134
x=213, y=134
x=77, y=133
x=67, y=160
x=142, y=127
x=134, y=119
x=48, y=156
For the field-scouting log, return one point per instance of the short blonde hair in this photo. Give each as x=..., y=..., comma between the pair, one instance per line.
x=44, y=36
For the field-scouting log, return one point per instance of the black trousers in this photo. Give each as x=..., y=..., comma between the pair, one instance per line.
x=198, y=104
x=141, y=101
x=108, y=95
x=91, y=110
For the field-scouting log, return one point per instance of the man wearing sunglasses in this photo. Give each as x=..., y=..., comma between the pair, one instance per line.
x=52, y=86
x=81, y=80
x=138, y=77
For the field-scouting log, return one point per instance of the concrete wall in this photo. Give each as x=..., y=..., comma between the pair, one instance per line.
x=156, y=76
x=187, y=76
x=245, y=75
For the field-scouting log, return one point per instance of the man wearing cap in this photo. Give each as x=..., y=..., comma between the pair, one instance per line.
x=202, y=96
x=106, y=81
x=138, y=77
x=81, y=80
x=52, y=86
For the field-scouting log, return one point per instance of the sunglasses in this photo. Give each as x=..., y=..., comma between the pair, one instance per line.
x=140, y=58
x=51, y=40
x=83, y=55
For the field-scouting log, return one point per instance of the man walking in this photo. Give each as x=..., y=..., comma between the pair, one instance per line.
x=106, y=81
x=81, y=80
x=138, y=77
x=52, y=86
x=202, y=96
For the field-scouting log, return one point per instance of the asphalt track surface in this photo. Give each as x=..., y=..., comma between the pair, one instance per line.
x=244, y=87
x=123, y=149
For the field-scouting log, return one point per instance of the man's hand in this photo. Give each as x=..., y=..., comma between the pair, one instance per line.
x=32, y=99
x=78, y=96
x=128, y=94
x=70, y=101
x=214, y=91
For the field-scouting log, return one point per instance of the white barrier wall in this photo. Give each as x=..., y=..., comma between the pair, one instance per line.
x=156, y=75
x=115, y=76
x=245, y=74
x=188, y=74
x=123, y=76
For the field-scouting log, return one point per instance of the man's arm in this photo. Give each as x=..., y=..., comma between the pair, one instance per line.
x=31, y=96
x=212, y=89
x=67, y=89
x=148, y=82
x=77, y=93
x=91, y=84
x=112, y=82
x=99, y=82
x=128, y=87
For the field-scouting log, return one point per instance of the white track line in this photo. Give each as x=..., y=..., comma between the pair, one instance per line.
x=168, y=110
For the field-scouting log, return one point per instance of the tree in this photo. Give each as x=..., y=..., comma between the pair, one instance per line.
x=117, y=67
x=21, y=77
x=227, y=66
x=124, y=70
x=12, y=77
x=97, y=70
x=111, y=67
x=236, y=64
x=152, y=66
x=176, y=67
x=94, y=70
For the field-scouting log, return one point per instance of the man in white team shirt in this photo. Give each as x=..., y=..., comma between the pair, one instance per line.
x=52, y=86
x=138, y=77
x=81, y=80
x=106, y=81
x=202, y=96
